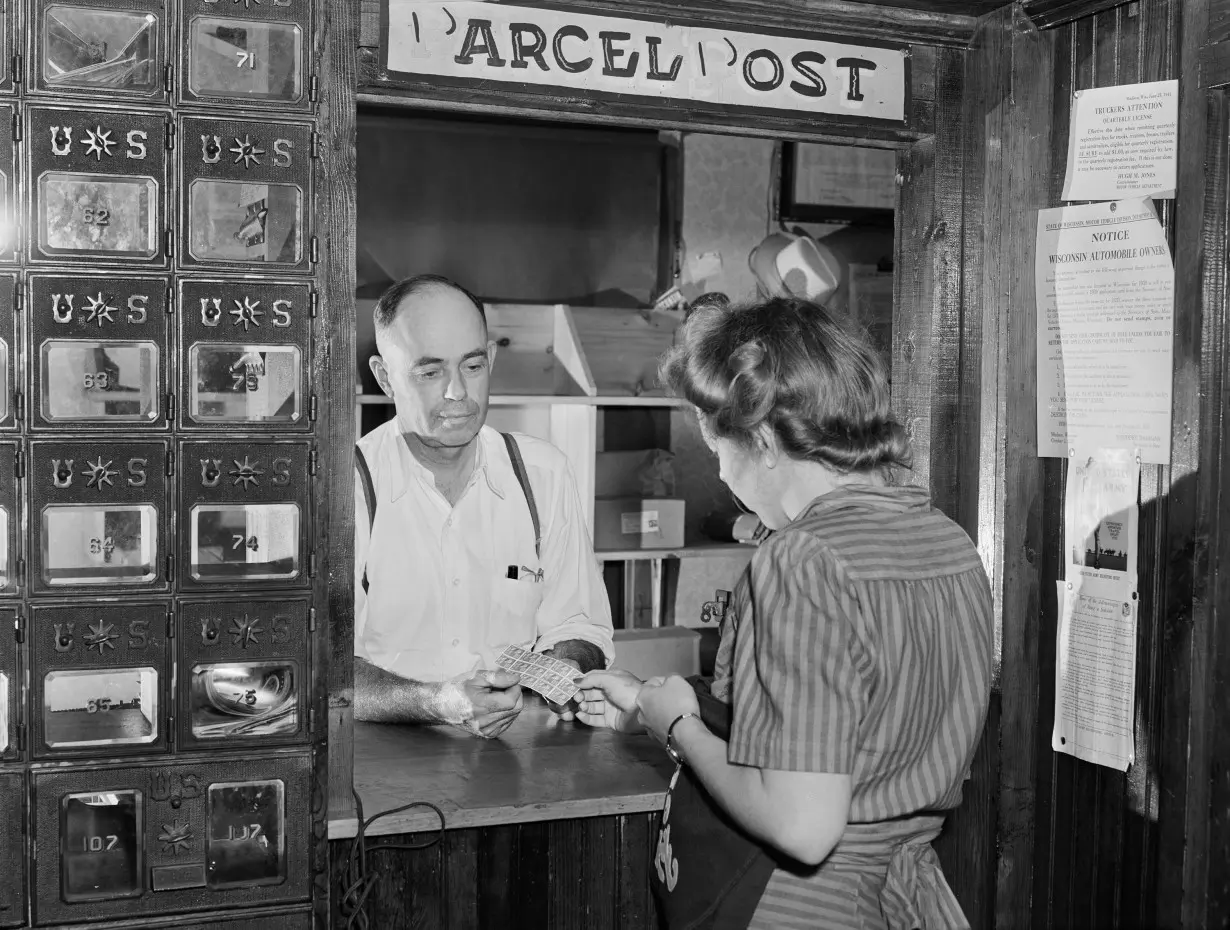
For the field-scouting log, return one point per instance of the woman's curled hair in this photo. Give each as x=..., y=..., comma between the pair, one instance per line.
x=789, y=365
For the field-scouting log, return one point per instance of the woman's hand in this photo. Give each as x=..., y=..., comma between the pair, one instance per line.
x=661, y=700
x=608, y=699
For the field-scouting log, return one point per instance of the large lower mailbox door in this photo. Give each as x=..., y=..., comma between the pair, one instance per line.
x=12, y=849
x=154, y=838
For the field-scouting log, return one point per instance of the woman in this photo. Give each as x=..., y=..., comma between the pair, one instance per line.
x=856, y=656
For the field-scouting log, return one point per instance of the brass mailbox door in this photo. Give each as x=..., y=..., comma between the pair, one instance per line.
x=9, y=235
x=10, y=693
x=246, y=348
x=253, y=55
x=99, y=50
x=243, y=515
x=98, y=352
x=96, y=183
x=243, y=671
x=10, y=522
x=245, y=191
x=176, y=836
x=98, y=513
x=100, y=677
x=9, y=352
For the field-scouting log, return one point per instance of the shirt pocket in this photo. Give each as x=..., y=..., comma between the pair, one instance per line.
x=514, y=610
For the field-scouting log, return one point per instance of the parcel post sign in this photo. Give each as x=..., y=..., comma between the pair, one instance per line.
x=581, y=54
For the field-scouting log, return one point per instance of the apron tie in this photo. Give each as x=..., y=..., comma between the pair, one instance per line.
x=915, y=896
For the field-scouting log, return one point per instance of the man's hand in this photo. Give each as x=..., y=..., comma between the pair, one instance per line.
x=493, y=699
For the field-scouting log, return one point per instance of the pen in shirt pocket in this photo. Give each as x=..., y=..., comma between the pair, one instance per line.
x=516, y=573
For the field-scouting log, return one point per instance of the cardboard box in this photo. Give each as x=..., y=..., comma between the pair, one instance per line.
x=667, y=650
x=638, y=523
x=622, y=474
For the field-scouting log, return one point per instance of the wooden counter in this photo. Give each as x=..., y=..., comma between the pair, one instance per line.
x=539, y=769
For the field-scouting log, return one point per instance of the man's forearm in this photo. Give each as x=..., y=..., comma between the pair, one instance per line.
x=584, y=653
x=383, y=697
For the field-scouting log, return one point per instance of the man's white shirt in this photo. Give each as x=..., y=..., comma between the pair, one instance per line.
x=440, y=603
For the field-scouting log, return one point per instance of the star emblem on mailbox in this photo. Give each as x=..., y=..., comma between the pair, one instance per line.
x=100, y=635
x=98, y=309
x=98, y=142
x=99, y=474
x=175, y=837
x=247, y=312
x=247, y=3
x=244, y=629
x=246, y=151
x=246, y=473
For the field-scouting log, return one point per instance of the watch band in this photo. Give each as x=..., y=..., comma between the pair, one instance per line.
x=670, y=733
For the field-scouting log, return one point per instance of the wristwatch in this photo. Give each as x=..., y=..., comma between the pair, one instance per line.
x=670, y=732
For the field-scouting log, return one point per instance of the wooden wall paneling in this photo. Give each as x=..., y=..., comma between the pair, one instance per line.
x=638, y=838
x=583, y=873
x=461, y=885
x=1186, y=754
x=1013, y=60
x=1048, y=13
x=912, y=310
x=839, y=17
x=335, y=348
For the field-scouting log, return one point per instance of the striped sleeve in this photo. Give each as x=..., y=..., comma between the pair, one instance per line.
x=798, y=697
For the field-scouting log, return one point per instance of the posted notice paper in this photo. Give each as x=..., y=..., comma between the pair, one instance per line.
x=1101, y=514
x=1105, y=300
x=1123, y=142
x=1095, y=678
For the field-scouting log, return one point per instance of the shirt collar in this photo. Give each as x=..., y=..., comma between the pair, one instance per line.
x=489, y=464
x=896, y=498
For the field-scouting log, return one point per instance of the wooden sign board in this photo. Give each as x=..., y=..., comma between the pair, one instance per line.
x=559, y=52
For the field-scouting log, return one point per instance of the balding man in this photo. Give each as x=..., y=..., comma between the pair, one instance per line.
x=467, y=540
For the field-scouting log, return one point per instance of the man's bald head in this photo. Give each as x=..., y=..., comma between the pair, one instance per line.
x=397, y=297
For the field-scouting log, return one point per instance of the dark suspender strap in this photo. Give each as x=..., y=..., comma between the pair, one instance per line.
x=369, y=496
x=514, y=455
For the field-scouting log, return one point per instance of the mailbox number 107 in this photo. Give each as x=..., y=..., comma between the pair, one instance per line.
x=99, y=843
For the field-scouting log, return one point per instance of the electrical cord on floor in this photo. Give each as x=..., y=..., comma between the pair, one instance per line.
x=357, y=884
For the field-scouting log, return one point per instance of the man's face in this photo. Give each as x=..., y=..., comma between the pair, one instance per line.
x=435, y=362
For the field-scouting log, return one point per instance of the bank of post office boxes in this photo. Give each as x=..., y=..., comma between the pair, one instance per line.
x=254, y=55
x=12, y=849
x=98, y=511
x=243, y=516
x=96, y=185
x=10, y=687
x=9, y=237
x=100, y=677
x=98, y=352
x=99, y=49
x=171, y=836
x=243, y=675
x=10, y=522
x=245, y=189
x=245, y=349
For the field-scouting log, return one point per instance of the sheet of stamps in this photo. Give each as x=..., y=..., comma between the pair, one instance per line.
x=547, y=676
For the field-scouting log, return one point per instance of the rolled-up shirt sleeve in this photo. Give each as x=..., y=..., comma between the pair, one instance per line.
x=798, y=697
x=574, y=603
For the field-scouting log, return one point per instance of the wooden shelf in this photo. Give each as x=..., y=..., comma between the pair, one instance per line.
x=526, y=400
x=692, y=551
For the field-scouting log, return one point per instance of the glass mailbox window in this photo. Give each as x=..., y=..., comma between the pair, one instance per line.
x=245, y=542
x=5, y=576
x=235, y=221
x=238, y=383
x=244, y=699
x=247, y=834
x=83, y=380
x=4, y=713
x=100, y=845
x=4, y=377
x=112, y=49
x=233, y=58
x=90, y=214
x=99, y=543
x=100, y=707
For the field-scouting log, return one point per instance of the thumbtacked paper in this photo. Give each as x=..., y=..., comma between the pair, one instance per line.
x=1123, y=142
